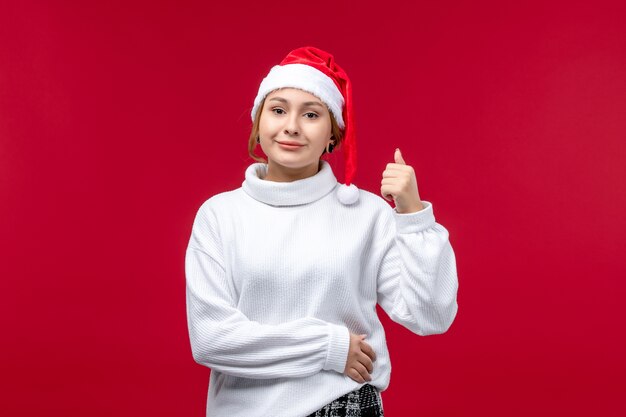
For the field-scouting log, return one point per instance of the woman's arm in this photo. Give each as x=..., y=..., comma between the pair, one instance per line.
x=224, y=339
x=417, y=279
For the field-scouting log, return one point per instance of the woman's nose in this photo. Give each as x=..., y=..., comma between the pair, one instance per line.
x=292, y=127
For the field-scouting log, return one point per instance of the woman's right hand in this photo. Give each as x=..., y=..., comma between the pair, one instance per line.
x=360, y=358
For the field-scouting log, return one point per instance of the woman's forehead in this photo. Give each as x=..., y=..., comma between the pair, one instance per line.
x=291, y=93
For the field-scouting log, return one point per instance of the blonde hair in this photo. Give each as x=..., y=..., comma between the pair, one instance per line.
x=252, y=143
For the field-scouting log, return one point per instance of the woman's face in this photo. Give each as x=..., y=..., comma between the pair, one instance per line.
x=294, y=129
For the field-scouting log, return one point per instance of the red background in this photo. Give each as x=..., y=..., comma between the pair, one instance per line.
x=118, y=119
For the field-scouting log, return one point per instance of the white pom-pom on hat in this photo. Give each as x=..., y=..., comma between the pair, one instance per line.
x=347, y=194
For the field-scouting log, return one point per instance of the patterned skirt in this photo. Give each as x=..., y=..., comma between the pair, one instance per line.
x=363, y=402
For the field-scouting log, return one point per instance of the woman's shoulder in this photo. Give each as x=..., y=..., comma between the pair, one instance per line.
x=372, y=201
x=370, y=212
x=221, y=201
x=371, y=204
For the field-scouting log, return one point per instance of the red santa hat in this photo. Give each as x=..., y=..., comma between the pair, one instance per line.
x=315, y=71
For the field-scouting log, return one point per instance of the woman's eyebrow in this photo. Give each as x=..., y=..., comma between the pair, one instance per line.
x=306, y=103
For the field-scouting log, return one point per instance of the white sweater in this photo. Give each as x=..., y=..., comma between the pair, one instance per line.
x=279, y=274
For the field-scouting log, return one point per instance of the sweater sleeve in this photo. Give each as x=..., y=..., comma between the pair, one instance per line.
x=224, y=339
x=417, y=279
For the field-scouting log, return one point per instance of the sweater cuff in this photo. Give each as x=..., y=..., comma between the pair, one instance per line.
x=338, y=345
x=415, y=222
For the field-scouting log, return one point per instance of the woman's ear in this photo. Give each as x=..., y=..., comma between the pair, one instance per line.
x=330, y=147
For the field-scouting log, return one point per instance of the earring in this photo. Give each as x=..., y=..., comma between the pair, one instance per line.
x=330, y=147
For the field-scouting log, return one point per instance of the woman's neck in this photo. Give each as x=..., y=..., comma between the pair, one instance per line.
x=278, y=173
x=282, y=194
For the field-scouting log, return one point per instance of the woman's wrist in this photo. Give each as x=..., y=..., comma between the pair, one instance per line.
x=412, y=209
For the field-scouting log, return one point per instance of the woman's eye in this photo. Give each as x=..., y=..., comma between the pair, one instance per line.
x=278, y=111
x=311, y=115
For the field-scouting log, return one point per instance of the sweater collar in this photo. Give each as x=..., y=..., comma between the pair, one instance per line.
x=291, y=193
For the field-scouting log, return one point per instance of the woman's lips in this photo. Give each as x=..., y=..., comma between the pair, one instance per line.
x=290, y=145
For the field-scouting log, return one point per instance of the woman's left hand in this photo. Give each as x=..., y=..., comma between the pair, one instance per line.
x=399, y=183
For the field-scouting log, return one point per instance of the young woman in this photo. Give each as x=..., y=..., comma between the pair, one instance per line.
x=285, y=272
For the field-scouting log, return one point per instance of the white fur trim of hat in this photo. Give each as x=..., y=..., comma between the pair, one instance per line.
x=306, y=78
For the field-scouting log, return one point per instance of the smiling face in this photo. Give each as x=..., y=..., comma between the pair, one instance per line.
x=294, y=128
